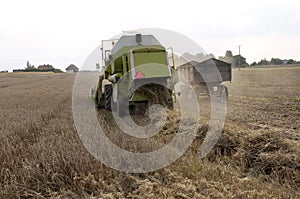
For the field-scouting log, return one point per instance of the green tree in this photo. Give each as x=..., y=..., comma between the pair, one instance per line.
x=253, y=64
x=263, y=62
x=228, y=57
x=239, y=59
x=276, y=61
x=57, y=70
x=210, y=55
x=29, y=66
x=228, y=53
x=291, y=61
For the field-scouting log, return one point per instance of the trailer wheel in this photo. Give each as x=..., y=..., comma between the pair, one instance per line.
x=226, y=92
x=223, y=93
x=107, y=96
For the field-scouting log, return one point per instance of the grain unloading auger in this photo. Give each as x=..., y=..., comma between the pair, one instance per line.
x=137, y=72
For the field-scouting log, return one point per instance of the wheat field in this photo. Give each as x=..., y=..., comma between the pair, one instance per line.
x=257, y=155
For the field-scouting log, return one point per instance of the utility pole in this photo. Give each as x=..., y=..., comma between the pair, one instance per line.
x=239, y=46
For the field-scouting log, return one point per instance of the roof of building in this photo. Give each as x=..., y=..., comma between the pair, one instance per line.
x=45, y=66
x=207, y=62
x=72, y=67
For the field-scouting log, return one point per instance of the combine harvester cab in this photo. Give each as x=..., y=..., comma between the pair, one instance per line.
x=136, y=69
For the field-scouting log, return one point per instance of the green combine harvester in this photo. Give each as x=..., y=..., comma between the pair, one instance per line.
x=137, y=72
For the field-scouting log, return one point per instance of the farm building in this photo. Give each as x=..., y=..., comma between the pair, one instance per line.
x=45, y=67
x=208, y=73
x=72, y=69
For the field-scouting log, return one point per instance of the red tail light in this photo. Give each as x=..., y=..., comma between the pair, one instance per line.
x=139, y=75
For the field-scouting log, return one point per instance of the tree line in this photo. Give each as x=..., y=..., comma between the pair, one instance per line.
x=237, y=60
x=275, y=61
x=31, y=68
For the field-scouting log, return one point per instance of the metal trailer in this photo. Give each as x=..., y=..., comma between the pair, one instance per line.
x=210, y=73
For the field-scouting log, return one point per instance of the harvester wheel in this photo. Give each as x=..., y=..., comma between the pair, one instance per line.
x=97, y=99
x=170, y=106
x=121, y=112
x=107, y=96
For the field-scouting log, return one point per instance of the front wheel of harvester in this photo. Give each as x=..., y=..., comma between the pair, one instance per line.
x=97, y=100
x=107, y=96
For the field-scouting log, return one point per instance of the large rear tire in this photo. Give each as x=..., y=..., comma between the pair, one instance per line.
x=121, y=111
x=158, y=94
x=97, y=100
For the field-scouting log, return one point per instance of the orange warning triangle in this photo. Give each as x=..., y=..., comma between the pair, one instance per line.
x=139, y=75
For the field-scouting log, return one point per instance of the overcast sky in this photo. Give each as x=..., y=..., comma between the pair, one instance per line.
x=61, y=32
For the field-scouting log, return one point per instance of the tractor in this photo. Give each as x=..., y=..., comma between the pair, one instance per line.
x=137, y=71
